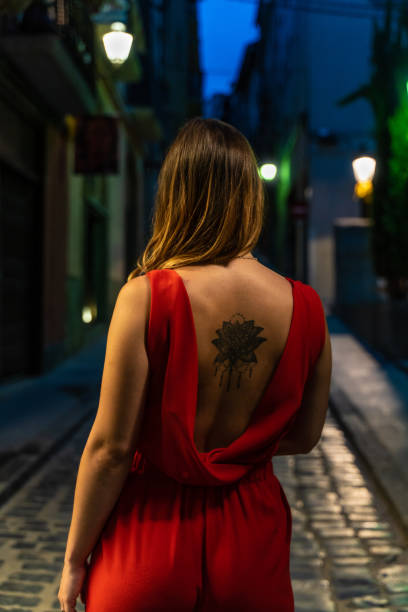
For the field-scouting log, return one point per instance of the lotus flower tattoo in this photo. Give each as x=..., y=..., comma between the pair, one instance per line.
x=236, y=344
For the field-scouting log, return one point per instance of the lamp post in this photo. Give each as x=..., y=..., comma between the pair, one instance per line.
x=364, y=170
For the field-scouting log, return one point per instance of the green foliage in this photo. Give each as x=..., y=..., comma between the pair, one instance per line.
x=398, y=164
x=395, y=217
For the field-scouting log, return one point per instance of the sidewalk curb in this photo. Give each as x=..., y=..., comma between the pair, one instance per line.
x=40, y=414
x=35, y=461
x=387, y=475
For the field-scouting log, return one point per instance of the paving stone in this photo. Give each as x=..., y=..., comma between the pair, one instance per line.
x=318, y=482
x=390, y=558
x=356, y=560
x=355, y=494
x=349, y=480
x=328, y=499
x=22, y=512
x=316, y=509
x=28, y=556
x=369, y=601
x=376, y=533
x=21, y=587
x=55, y=537
x=373, y=542
x=34, y=528
x=18, y=600
x=24, y=545
x=327, y=515
x=362, y=516
x=328, y=523
x=400, y=571
x=32, y=577
x=394, y=585
x=354, y=575
x=371, y=525
x=395, y=579
x=312, y=475
x=305, y=572
x=13, y=609
x=11, y=535
x=312, y=562
x=356, y=505
x=400, y=599
x=312, y=595
x=336, y=532
x=48, y=567
x=351, y=542
x=304, y=550
x=346, y=591
x=372, y=609
x=53, y=548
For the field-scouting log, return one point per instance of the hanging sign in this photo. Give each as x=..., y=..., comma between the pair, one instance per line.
x=96, y=145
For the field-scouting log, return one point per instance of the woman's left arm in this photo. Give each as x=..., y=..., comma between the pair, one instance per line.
x=107, y=457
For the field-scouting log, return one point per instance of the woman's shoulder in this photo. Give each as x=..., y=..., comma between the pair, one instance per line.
x=136, y=291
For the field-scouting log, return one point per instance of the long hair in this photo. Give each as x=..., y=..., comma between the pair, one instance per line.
x=209, y=203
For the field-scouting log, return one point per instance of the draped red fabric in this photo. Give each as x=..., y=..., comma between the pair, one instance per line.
x=203, y=531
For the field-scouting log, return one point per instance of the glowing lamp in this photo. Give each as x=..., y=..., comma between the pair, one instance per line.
x=363, y=189
x=89, y=313
x=117, y=43
x=364, y=169
x=268, y=172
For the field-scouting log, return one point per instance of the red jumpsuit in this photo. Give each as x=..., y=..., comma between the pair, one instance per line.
x=203, y=531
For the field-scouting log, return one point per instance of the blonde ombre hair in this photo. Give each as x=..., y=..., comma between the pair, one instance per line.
x=209, y=204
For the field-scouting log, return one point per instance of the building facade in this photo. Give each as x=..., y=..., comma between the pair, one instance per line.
x=71, y=231
x=286, y=101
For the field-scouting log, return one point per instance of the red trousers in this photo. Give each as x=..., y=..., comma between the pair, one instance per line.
x=172, y=546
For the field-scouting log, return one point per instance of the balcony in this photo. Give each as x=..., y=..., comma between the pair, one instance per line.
x=51, y=45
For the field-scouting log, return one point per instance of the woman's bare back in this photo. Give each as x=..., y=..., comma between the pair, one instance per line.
x=242, y=315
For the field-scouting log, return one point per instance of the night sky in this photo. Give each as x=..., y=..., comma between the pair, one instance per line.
x=225, y=28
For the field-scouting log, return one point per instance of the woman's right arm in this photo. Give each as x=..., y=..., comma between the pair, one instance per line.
x=307, y=427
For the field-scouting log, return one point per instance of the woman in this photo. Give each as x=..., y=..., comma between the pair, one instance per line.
x=214, y=364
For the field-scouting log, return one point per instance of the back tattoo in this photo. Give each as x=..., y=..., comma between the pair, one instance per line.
x=236, y=344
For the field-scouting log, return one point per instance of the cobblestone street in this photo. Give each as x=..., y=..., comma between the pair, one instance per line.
x=347, y=553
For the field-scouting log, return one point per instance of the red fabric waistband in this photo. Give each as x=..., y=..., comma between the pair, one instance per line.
x=142, y=465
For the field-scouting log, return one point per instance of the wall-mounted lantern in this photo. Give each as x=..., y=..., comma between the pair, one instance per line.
x=117, y=43
x=364, y=170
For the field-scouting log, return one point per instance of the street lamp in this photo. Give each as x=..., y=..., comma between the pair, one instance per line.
x=117, y=43
x=268, y=172
x=89, y=313
x=364, y=170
